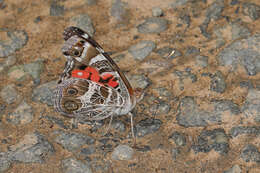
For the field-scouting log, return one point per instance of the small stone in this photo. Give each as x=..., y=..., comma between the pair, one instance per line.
x=87, y=151
x=91, y=2
x=139, y=81
x=239, y=31
x=251, y=107
x=191, y=116
x=218, y=83
x=9, y=94
x=71, y=165
x=17, y=73
x=57, y=121
x=56, y=9
x=192, y=50
x=226, y=105
x=33, y=148
x=44, y=93
x=23, y=114
x=142, y=49
x=250, y=153
x=212, y=139
x=240, y=130
x=252, y=10
x=178, y=138
x=153, y=25
x=73, y=141
x=201, y=61
x=245, y=52
x=175, y=152
x=34, y=69
x=161, y=108
x=122, y=152
x=178, y=3
x=100, y=165
x=15, y=40
x=120, y=11
x=11, y=60
x=215, y=10
x=234, y=169
x=147, y=126
x=5, y=162
x=84, y=22
x=157, y=12
x=118, y=125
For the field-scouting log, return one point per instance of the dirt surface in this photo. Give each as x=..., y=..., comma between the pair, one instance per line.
x=155, y=151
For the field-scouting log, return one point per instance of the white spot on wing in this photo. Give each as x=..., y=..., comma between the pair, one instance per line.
x=85, y=36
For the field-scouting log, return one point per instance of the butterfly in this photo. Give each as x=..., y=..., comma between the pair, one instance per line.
x=91, y=86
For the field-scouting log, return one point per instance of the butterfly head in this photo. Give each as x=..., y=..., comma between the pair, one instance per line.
x=73, y=47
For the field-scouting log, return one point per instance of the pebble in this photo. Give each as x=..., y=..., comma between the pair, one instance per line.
x=44, y=93
x=160, y=108
x=9, y=61
x=17, y=73
x=153, y=25
x=189, y=114
x=139, y=81
x=175, y=152
x=71, y=165
x=251, y=106
x=73, y=141
x=245, y=52
x=218, y=83
x=56, y=9
x=16, y=39
x=122, y=152
x=23, y=114
x=178, y=3
x=56, y=121
x=147, y=126
x=178, y=138
x=9, y=94
x=119, y=10
x=5, y=162
x=33, y=148
x=85, y=152
x=239, y=31
x=157, y=12
x=142, y=49
x=221, y=106
x=34, y=69
x=250, y=153
x=84, y=22
x=212, y=139
x=252, y=10
x=91, y=2
x=241, y=130
x=234, y=169
x=214, y=11
x=202, y=61
x=118, y=125
x=191, y=50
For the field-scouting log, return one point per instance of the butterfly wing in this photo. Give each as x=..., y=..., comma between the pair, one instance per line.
x=92, y=73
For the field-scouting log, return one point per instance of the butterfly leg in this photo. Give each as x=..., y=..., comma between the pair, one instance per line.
x=66, y=72
x=109, y=125
x=132, y=127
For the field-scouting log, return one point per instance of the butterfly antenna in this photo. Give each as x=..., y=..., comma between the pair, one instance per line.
x=132, y=128
x=109, y=125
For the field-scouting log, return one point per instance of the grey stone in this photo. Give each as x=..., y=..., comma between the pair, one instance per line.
x=221, y=106
x=178, y=138
x=72, y=141
x=157, y=12
x=201, y=61
x=239, y=31
x=178, y=3
x=99, y=165
x=147, y=126
x=142, y=49
x=189, y=114
x=84, y=22
x=252, y=10
x=240, y=130
x=250, y=153
x=34, y=69
x=9, y=61
x=139, y=81
x=161, y=108
x=91, y=2
x=44, y=93
x=118, y=125
x=245, y=52
x=23, y=114
x=251, y=106
x=153, y=25
x=122, y=152
x=56, y=121
x=5, y=162
x=71, y=165
x=16, y=39
x=56, y=9
x=163, y=93
x=9, y=94
x=192, y=50
x=84, y=152
x=218, y=83
x=33, y=148
x=17, y=73
x=212, y=139
x=175, y=152
x=119, y=10
x=215, y=10
x=234, y=169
